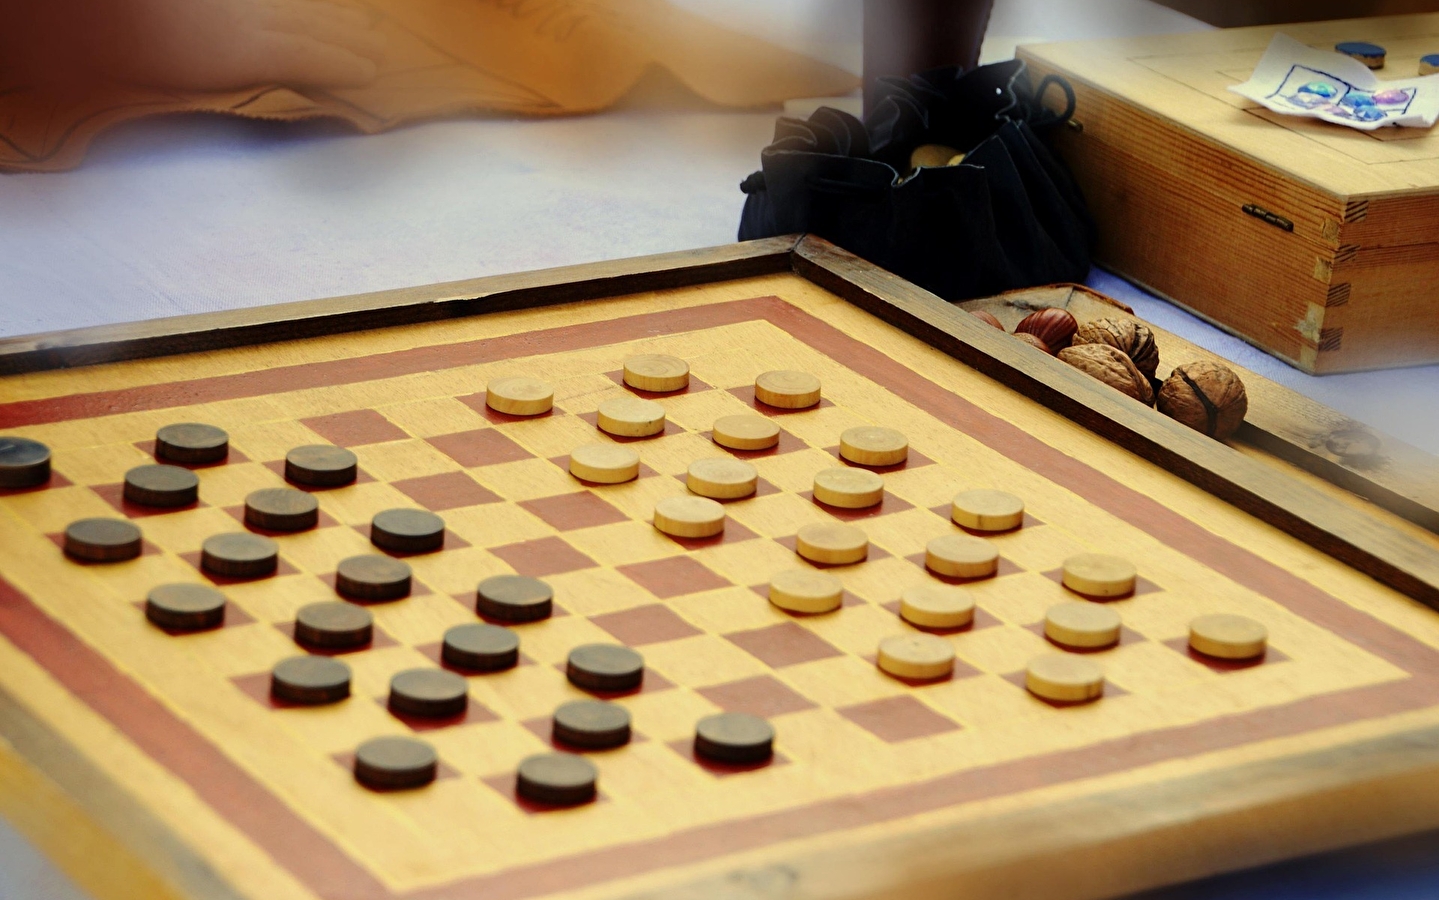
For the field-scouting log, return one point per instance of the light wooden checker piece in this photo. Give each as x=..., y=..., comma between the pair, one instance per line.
x=689, y=517
x=937, y=606
x=721, y=478
x=807, y=593
x=832, y=544
x=961, y=556
x=605, y=463
x=919, y=657
x=745, y=432
x=520, y=396
x=848, y=488
x=1064, y=678
x=1100, y=575
x=657, y=373
x=787, y=389
x=631, y=417
x=1083, y=625
x=1226, y=636
x=871, y=445
x=987, y=510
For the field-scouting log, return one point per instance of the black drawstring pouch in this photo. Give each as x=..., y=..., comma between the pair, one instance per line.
x=1009, y=216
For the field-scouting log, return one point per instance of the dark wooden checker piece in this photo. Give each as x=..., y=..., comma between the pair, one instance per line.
x=605, y=667
x=321, y=465
x=734, y=738
x=395, y=763
x=310, y=680
x=557, y=779
x=282, y=509
x=514, y=598
x=374, y=578
x=481, y=648
x=334, y=626
x=407, y=531
x=239, y=555
x=23, y=463
x=185, y=607
x=161, y=486
x=103, y=540
x=192, y=443
x=592, y=724
x=430, y=693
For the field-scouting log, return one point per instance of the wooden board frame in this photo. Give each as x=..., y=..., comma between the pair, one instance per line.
x=1395, y=559
x=1221, y=823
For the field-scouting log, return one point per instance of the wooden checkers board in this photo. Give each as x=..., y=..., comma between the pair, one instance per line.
x=1311, y=240
x=129, y=751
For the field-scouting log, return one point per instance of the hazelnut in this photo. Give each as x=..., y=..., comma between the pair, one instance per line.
x=988, y=318
x=1034, y=342
x=1134, y=339
x=1111, y=367
x=926, y=155
x=1205, y=396
x=1054, y=326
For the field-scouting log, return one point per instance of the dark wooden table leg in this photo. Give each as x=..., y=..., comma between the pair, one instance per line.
x=902, y=37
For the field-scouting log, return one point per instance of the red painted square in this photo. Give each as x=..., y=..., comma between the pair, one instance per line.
x=686, y=748
x=642, y=625
x=193, y=558
x=695, y=387
x=746, y=393
x=733, y=533
x=673, y=577
x=785, y=644
x=594, y=419
x=478, y=404
x=763, y=696
x=981, y=621
x=347, y=762
x=890, y=504
x=278, y=467
x=915, y=460
x=568, y=512
x=354, y=429
x=545, y=556
x=897, y=719
x=1142, y=586
x=233, y=456
x=234, y=618
x=114, y=494
x=1214, y=663
x=447, y=490
x=1006, y=567
x=482, y=447
x=788, y=443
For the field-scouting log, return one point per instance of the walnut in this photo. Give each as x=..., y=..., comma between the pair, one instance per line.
x=1205, y=396
x=1130, y=337
x=1034, y=342
x=1054, y=326
x=987, y=318
x=1112, y=367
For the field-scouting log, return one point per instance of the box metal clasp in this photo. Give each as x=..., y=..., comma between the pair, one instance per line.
x=1265, y=215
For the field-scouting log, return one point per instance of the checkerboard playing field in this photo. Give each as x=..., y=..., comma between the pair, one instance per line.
x=263, y=792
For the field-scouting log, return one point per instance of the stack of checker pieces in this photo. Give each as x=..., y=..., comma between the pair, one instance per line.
x=850, y=491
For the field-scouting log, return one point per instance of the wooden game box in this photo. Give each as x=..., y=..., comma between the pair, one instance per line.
x=1314, y=242
x=150, y=765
